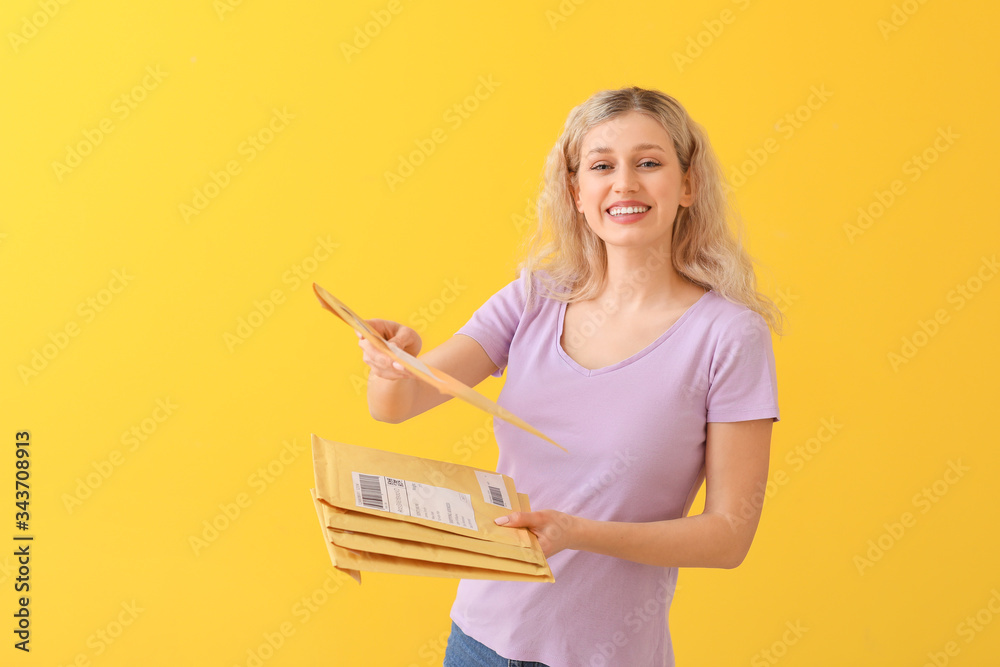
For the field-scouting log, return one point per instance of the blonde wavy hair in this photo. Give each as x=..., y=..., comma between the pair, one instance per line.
x=570, y=260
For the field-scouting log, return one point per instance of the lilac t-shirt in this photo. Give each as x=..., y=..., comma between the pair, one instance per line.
x=635, y=432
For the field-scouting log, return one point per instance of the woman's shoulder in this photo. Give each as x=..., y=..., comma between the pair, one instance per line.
x=544, y=288
x=720, y=315
x=514, y=294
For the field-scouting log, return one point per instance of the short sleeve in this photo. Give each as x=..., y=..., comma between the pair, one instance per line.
x=494, y=323
x=742, y=379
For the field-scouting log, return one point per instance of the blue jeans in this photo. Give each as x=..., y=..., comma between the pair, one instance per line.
x=464, y=651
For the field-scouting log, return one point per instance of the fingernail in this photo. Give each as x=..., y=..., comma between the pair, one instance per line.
x=501, y=520
x=358, y=334
x=398, y=366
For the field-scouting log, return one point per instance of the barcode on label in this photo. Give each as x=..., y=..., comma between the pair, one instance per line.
x=371, y=492
x=493, y=488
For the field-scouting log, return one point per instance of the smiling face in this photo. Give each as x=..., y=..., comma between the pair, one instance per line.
x=629, y=184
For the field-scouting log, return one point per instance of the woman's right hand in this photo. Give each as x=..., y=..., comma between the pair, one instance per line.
x=382, y=364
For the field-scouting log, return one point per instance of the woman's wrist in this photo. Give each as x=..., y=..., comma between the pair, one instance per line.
x=579, y=532
x=390, y=400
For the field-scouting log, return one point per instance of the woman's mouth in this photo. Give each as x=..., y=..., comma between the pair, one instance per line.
x=627, y=214
x=627, y=210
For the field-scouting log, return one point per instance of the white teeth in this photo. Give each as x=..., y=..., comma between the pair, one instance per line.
x=626, y=210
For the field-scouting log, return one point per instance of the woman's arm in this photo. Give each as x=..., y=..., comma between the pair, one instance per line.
x=736, y=461
x=394, y=395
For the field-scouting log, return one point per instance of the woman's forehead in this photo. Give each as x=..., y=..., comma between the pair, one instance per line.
x=623, y=130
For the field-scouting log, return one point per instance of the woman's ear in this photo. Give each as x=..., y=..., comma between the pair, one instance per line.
x=574, y=191
x=687, y=190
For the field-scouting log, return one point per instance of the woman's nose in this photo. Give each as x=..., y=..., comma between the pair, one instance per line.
x=625, y=180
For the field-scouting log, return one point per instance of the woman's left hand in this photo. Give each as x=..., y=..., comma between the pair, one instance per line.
x=555, y=530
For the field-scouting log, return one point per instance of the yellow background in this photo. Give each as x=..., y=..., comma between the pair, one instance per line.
x=899, y=75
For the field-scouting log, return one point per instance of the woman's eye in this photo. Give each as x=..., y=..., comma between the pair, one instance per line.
x=604, y=166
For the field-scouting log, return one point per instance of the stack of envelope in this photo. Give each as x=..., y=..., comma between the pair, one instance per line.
x=387, y=512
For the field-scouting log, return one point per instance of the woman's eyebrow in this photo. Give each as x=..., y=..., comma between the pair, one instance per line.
x=636, y=148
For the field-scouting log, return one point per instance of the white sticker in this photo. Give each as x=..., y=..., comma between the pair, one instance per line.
x=398, y=496
x=494, y=490
x=440, y=504
x=380, y=493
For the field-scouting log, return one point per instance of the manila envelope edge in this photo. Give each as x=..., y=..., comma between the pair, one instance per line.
x=354, y=574
x=395, y=565
x=338, y=518
x=535, y=546
x=352, y=563
x=421, y=551
x=333, y=463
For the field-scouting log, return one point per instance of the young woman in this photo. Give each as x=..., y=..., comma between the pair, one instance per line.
x=634, y=336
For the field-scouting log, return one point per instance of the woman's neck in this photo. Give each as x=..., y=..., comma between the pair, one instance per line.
x=643, y=278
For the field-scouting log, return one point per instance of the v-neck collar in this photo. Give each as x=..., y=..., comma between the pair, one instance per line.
x=632, y=359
